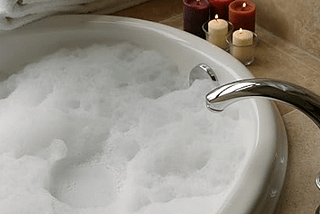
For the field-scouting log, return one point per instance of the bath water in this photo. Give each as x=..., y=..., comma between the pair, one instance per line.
x=114, y=129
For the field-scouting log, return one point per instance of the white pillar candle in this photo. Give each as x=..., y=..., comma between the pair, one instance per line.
x=218, y=30
x=242, y=37
x=242, y=48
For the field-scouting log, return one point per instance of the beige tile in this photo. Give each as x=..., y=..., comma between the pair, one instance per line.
x=292, y=50
x=296, y=21
x=175, y=21
x=154, y=10
x=300, y=194
x=284, y=108
x=274, y=63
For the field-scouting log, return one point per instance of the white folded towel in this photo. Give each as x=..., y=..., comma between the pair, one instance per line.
x=15, y=13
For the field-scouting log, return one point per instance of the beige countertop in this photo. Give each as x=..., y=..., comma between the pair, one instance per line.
x=277, y=59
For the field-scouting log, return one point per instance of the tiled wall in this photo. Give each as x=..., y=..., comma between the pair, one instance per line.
x=297, y=21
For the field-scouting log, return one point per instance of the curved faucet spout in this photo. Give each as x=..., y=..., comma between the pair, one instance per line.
x=297, y=96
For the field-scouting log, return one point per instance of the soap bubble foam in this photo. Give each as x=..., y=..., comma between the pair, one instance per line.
x=114, y=129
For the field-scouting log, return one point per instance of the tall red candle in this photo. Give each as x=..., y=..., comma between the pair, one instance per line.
x=219, y=7
x=196, y=12
x=242, y=16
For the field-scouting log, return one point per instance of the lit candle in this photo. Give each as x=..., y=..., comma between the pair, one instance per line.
x=218, y=29
x=242, y=15
x=220, y=7
x=196, y=12
x=242, y=48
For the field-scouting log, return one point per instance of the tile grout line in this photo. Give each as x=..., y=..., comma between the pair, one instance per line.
x=288, y=113
x=292, y=57
x=288, y=42
x=178, y=16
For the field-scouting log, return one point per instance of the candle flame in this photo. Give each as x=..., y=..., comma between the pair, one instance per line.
x=216, y=16
x=244, y=4
x=240, y=30
x=198, y=1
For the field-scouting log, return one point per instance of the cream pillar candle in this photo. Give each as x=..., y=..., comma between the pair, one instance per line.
x=242, y=37
x=242, y=48
x=218, y=30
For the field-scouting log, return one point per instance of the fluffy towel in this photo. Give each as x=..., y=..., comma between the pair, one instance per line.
x=15, y=13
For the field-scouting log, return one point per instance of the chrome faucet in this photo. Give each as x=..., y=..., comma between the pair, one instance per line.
x=294, y=95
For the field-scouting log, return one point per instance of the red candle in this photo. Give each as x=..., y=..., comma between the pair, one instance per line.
x=196, y=12
x=219, y=7
x=242, y=15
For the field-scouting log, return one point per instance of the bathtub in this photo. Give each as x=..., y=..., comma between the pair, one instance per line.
x=261, y=178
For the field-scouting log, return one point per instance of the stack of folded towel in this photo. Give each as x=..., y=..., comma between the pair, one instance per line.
x=15, y=13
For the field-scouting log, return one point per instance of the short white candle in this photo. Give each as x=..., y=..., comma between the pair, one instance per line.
x=218, y=30
x=242, y=48
x=242, y=37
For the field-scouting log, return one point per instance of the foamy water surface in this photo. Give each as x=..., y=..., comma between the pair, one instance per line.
x=114, y=130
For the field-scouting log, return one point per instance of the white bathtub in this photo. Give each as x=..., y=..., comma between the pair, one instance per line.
x=258, y=187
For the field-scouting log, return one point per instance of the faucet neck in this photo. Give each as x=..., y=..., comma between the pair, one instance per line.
x=294, y=95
